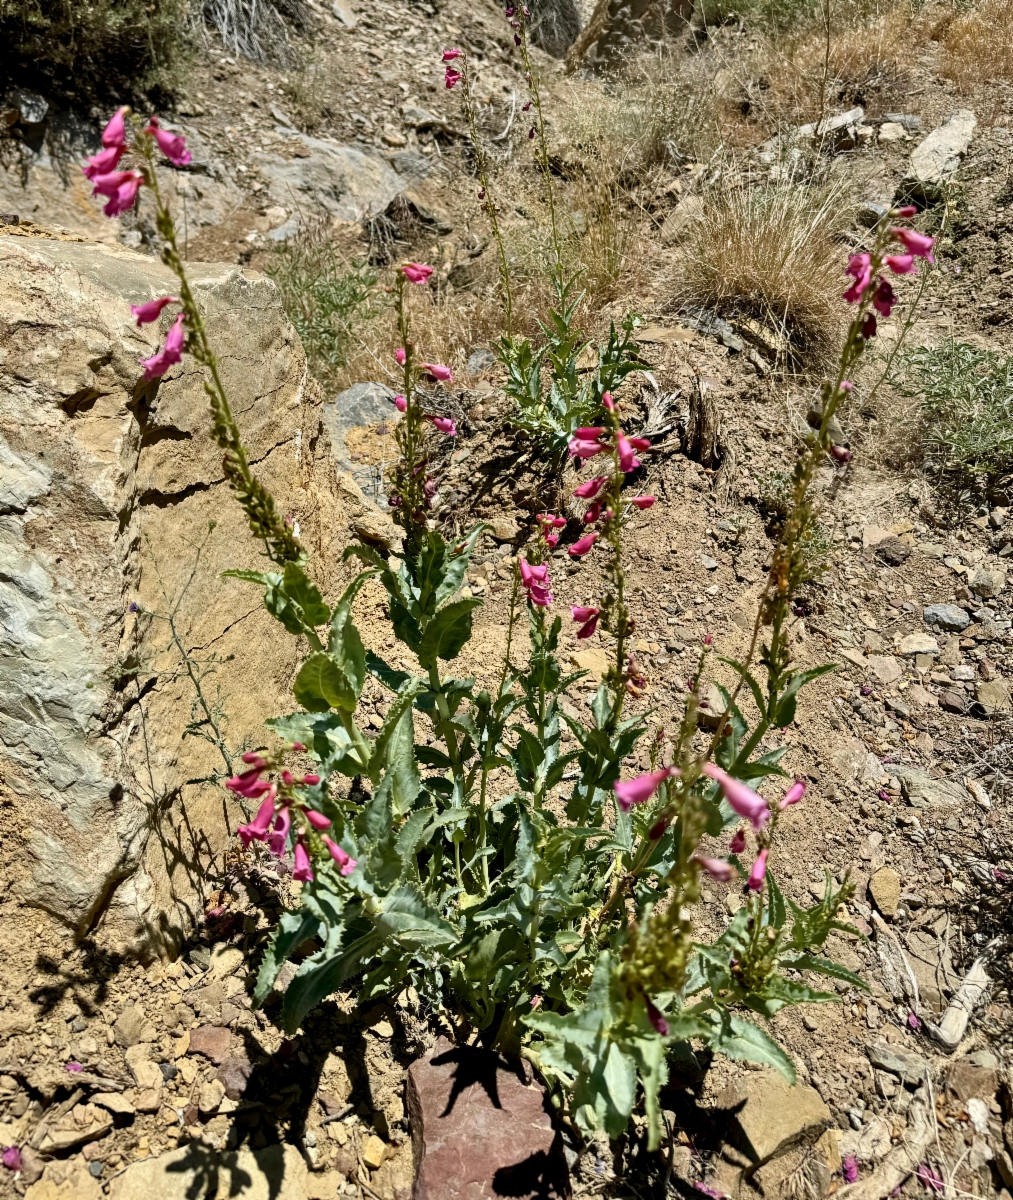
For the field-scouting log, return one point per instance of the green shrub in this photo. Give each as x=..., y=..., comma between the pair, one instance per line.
x=93, y=52
x=323, y=295
x=966, y=399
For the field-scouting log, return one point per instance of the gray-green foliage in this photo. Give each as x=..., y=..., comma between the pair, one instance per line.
x=499, y=910
x=323, y=295
x=553, y=395
x=966, y=399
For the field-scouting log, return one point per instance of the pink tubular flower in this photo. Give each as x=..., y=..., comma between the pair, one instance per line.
x=450, y=55
x=849, y=1168
x=793, y=795
x=908, y=210
x=277, y=839
x=172, y=145
x=628, y=461
x=738, y=842
x=587, y=433
x=146, y=313
x=915, y=243
x=912, y=1021
x=607, y=401
x=104, y=162
x=869, y=326
x=535, y=581
x=641, y=789
x=303, y=871
x=756, y=875
x=401, y=404
x=884, y=298
x=256, y=830
x=400, y=356
x=172, y=352
x=254, y=759
x=901, y=264
x=552, y=540
x=12, y=1158
x=655, y=1017
x=582, y=448
x=930, y=1178
x=550, y=520
x=642, y=502
x=587, y=618
x=586, y=542
x=121, y=188
x=717, y=868
x=588, y=491
x=742, y=799
x=115, y=132
x=346, y=864
x=860, y=269
x=444, y=425
x=317, y=819
x=249, y=783
x=451, y=78
x=593, y=513
x=311, y=778
x=439, y=372
x=416, y=272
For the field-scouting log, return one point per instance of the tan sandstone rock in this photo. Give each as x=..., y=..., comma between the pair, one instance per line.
x=105, y=483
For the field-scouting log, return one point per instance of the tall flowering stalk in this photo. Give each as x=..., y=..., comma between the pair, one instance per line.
x=604, y=518
x=518, y=18
x=462, y=76
x=188, y=332
x=413, y=488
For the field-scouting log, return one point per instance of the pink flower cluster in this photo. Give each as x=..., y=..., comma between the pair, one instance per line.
x=916, y=245
x=120, y=187
x=535, y=581
x=273, y=822
x=741, y=798
x=452, y=76
x=548, y=524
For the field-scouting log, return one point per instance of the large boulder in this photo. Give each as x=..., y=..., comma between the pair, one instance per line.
x=111, y=495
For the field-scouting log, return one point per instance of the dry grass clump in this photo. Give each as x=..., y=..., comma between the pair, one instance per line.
x=771, y=253
x=663, y=109
x=979, y=45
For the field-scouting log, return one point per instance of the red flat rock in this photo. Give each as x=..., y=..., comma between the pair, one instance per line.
x=212, y=1041
x=479, y=1131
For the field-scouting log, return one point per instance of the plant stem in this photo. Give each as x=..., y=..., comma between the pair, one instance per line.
x=543, y=148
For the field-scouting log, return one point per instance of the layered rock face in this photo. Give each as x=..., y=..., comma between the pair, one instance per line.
x=111, y=496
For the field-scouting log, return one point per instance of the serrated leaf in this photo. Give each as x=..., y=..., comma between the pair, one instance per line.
x=823, y=966
x=448, y=631
x=740, y=1039
x=321, y=685
x=292, y=930
x=321, y=975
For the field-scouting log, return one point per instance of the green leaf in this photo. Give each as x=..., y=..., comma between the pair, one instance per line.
x=448, y=631
x=321, y=685
x=457, y=564
x=776, y=914
x=740, y=1039
x=784, y=713
x=408, y=919
x=321, y=975
x=304, y=593
x=823, y=966
x=292, y=930
x=387, y=675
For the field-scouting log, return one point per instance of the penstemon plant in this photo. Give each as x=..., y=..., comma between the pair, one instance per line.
x=569, y=939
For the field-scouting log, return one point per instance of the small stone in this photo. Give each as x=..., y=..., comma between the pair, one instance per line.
x=909, y=1067
x=872, y=535
x=211, y=1041
x=893, y=551
x=113, y=1102
x=710, y=564
x=210, y=1097
x=234, y=1074
x=95, y=1168
x=946, y=616
x=887, y=669
x=87, y=1124
x=966, y=1081
x=504, y=529
x=890, y=131
x=132, y=1026
x=918, y=643
x=771, y=1115
x=936, y=160
x=919, y=697
x=988, y=583
x=952, y=702
x=884, y=888
x=343, y=12
x=374, y=1150
x=994, y=698
x=480, y=360
x=474, y=1122
x=922, y=791
x=225, y=961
